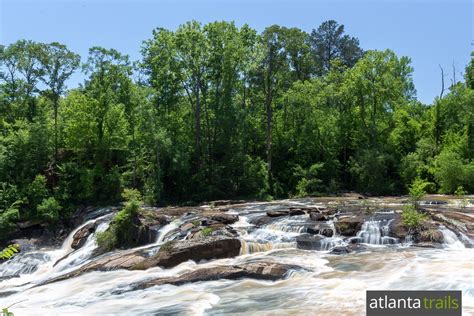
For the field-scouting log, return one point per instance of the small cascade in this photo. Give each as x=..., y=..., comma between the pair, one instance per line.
x=450, y=239
x=293, y=224
x=375, y=233
x=165, y=230
x=81, y=255
x=329, y=243
x=249, y=247
x=24, y=264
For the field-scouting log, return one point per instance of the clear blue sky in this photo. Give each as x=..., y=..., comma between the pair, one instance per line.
x=429, y=32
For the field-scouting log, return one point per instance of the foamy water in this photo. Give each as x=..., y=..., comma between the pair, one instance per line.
x=326, y=285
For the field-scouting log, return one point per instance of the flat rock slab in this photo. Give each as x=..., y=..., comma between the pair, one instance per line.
x=255, y=270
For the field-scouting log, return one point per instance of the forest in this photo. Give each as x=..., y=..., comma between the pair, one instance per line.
x=218, y=111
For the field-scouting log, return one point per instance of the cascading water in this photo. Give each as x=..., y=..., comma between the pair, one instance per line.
x=450, y=239
x=375, y=233
x=315, y=291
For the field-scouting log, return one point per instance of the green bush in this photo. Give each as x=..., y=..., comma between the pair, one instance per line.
x=49, y=210
x=9, y=251
x=37, y=191
x=122, y=230
x=411, y=217
x=106, y=240
x=417, y=190
x=207, y=231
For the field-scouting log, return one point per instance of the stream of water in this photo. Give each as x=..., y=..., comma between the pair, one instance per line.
x=329, y=285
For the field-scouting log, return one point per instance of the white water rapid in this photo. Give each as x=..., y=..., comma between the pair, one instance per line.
x=328, y=284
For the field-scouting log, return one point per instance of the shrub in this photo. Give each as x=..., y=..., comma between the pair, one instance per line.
x=131, y=195
x=9, y=251
x=309, y=183
x=460, y=191
x=167, y=245
x=122, y=230
x=106, y=240
x=49, y=209
x=411, y=217
x=417, y=190
x=207, y=231
x=37, y=191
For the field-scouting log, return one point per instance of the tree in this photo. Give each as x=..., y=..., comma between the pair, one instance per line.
x=329, y=42
x=58, y=64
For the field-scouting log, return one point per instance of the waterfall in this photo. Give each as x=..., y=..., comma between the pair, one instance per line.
x=376, y=233
x=83, y=254
x=167, y=229
x=330, y=242
x=249, y=247
x=293, y=224
x=450, y=239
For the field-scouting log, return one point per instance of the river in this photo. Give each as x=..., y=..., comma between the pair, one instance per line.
x=327, y=284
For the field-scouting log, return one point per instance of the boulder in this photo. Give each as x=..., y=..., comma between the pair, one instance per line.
x=80, y=237
x=430, y=235
x=341, y=250
x=296, y=211
x=225, y=218
x=309, y=242
x=174, y=253
x=398, y=229
x=321, y=229
x=262, y=220
x=255, y=270
x=317, y=217
x=278, y=213
x=349, y=226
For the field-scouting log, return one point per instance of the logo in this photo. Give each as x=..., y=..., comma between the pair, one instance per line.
x=414, y=303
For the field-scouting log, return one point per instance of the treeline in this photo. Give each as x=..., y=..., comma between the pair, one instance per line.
x=217, y=111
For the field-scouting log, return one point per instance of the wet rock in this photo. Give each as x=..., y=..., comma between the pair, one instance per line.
x=120, y=260
x=225, y=218
x=320, y=228
x=309, y=242
x=226, y=202
x=296, y=211
x=428, y=245
x=341, y=250
x=80, y=237
x=349, y=226
x=255, y=270
x=430, y=235
x=278, y=213
x=187, y=226
x=174, y=253
x=317, y=217
x=398, y=229
x=433, y=202
x=263, y=220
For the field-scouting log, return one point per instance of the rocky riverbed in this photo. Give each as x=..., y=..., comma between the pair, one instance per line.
x=289, y=256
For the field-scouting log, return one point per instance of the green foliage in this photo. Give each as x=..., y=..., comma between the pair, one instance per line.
x=221, y=111
x=37, y=190
x=411, y=217
x=131, y=195
x=122, y=230
x=309, y=183
x=9, y=251
x=460, y=191
x=166, y=245
x=206, y=231
x=417, y=190
x=106, y=240
x=49, y=210
x=5, y=312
